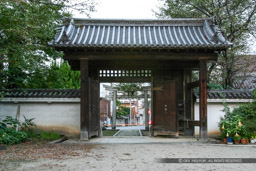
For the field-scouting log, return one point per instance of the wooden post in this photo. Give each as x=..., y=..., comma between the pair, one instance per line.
x=114, y=110
x=188, y=99
x=18, y=117
x=203, y=99
x=146, y=109
x=84, y=108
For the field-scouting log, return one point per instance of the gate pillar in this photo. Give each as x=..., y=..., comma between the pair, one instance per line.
x=84, y=108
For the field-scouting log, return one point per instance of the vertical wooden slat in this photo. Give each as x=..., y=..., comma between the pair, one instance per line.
x=146, y=109
x=203, y=99
x=84, y=108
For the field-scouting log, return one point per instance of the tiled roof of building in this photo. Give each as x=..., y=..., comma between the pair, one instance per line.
x=248, y=83
x=42, y=93
x=228, y=94
x=73, y=93
x=169, y=34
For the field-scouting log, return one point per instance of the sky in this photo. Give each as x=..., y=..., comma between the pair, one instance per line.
x=125, y=9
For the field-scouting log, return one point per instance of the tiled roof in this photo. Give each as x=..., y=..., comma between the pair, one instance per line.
x=248, y=83
x=42, y=93
x=170, y=34
x=228, y=94
x=73, y=93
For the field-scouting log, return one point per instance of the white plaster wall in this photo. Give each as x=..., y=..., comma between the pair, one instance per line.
x=214, y=113
x=62, y=117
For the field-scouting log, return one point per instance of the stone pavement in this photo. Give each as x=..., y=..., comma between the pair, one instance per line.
x=138, y=140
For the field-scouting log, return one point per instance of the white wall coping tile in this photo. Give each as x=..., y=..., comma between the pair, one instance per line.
x=39, y=100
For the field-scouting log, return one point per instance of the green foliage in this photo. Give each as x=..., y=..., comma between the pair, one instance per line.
x=237, y=22
x=9, y=136
x=253, y=135
x=122, y=112
x=212, y=86
x=118, y=103
x=9, y=122
x=241, y=120
x=230, y=125
x=49, y=136
x=250, y=124
x=26, y=29
x=57, y=77
x=237, y=138
x=129, y=89
x=8, y=133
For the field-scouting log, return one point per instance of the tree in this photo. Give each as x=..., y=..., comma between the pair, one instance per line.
x=122, y=110
x=129, y=89
x=27, y=26
x=57, y=77
x=237, y=21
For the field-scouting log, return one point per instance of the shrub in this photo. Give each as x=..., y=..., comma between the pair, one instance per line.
x=8, y=133
x=10, y=136
x=240, y=121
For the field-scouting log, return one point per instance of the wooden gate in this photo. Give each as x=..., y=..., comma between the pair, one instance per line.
x=94, y=108
x=165, y=119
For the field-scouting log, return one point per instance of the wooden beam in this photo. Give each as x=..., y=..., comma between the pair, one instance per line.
x=203, y=99
x=135, y=64
x=126, y=55
x=84, y=108
x=125, y=79
x=143, y=64
x=193, y=84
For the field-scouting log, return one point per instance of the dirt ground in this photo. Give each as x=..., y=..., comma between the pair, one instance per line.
x=45, y=156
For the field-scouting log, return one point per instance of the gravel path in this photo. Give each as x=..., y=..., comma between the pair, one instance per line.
x=138, y=157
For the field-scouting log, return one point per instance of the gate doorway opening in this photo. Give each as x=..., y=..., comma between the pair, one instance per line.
x=125, y=106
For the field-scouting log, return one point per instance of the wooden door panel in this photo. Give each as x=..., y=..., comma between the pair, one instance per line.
x=165, y=116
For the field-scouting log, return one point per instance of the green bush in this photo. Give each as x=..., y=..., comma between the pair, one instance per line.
x=242, y=120
x=10, y=136
x=8, y=133
x=49, y=136
x=250, y=124
x=122, y=112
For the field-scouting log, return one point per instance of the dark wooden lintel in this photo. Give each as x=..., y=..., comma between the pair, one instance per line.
x=139, y=55
x=193, y=84
x=136, y=64
x=125, y=79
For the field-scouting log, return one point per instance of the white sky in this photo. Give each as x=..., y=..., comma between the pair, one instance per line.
x=125, y=9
